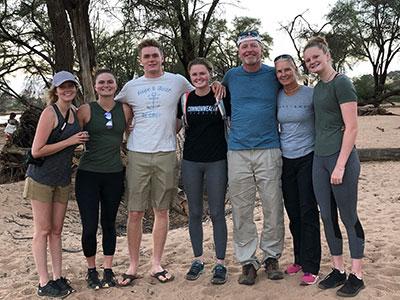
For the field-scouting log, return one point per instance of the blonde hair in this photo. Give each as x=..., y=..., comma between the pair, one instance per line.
x=51, y=96
x=319, y=42
x=290, y=60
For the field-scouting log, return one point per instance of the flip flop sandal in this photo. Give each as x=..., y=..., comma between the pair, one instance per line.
x=161, y=276
x=129, y=278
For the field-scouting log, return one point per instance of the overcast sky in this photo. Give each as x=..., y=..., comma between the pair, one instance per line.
x=274, y=13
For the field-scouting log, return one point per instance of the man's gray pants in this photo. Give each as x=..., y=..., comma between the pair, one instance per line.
x=251, y=171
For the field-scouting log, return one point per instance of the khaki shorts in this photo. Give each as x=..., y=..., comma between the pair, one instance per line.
x=34, y=190
x=151, y=180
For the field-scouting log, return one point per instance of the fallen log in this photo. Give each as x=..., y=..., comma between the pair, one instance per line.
x=379, y=154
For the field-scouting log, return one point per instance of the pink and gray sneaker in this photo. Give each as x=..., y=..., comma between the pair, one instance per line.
x=309, y=279
x=293, y=269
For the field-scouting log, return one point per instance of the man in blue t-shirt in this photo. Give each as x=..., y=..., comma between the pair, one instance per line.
x=254, y=160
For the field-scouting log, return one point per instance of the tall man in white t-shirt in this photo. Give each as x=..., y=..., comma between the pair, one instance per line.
x=151, y=157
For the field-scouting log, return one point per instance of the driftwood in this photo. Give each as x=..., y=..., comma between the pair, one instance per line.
x=372, y=111
x=379, y=154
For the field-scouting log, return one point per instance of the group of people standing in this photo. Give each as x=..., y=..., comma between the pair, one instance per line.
x=291, y=144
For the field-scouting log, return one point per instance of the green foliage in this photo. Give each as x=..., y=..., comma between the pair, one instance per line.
x=117, y=51
x=25, y=43
x=365, y=87
x=372, y=29
x=224, y=54
x=189, y=29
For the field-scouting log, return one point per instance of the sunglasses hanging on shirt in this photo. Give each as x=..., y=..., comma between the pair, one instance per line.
x=109, y=123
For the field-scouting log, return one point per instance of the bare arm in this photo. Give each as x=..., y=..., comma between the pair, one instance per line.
x=128, y=118
x=83, y=115
x=178, y=125
x=349, y=115
x=47, y=122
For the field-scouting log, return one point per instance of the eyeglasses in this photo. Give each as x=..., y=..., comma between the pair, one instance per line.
x=109, y=123
x=284, y=56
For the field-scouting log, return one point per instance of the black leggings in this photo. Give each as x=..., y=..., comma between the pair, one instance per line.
x=93, y=189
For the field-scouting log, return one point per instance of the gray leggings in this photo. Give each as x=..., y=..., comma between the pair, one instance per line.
x=342, y=197
x=216, y=180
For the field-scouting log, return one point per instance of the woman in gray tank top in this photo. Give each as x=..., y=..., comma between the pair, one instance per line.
x=48, y=185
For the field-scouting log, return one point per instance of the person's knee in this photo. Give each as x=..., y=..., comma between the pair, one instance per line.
x=42, y=233
x=195, y=214
x=108, y=229
x=161, y=214
x=326, y=219
x=217, y=216
x=107, y=222
x=135, y=217
x=309, y=214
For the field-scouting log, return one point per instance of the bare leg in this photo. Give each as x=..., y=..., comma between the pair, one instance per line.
x=42, y=212
x=356, y=267
x=59, y=210
x=91, y=262
x=108, y=259
x=134, y=233
x=338, y=263
x=160, y=230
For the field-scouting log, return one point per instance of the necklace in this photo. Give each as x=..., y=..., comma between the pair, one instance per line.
x=291, y=91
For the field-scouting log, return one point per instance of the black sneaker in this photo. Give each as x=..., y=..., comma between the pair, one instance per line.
x=108, y=279
x=51, y=289
x=351, y=287
x=219, y=274
x=332, y=280
x=92, y=279
x=272, y=269
x=65, y=285
x=195, y=270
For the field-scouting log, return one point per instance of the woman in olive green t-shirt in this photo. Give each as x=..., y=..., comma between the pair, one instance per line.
x=336, y=166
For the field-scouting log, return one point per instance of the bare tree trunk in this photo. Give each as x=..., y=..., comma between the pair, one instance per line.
x=61, y=35
x=78, y=11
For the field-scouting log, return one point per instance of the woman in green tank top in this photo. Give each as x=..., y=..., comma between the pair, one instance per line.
x=100, y=178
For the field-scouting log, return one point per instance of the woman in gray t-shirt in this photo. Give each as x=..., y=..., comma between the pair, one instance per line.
x=336, y=167
x=296, y=123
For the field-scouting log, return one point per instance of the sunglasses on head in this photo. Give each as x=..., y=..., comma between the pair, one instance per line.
x=109, y=123
x=253, y=33
x=284, y=56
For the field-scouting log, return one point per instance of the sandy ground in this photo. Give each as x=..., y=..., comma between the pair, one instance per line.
x=379, y=211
